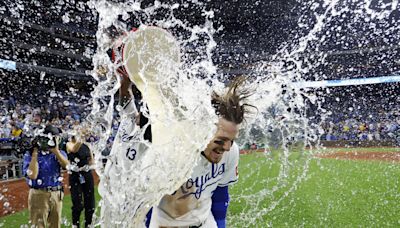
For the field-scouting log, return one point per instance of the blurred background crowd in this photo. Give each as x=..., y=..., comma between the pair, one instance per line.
x=362, y=122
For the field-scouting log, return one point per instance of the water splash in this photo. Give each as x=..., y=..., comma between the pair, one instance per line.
x=325, y=28
x=284, y=120
x=129, y=190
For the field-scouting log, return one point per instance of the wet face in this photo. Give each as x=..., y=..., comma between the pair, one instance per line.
x=222, y=141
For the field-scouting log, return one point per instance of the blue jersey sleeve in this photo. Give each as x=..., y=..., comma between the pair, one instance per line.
x=219, y=207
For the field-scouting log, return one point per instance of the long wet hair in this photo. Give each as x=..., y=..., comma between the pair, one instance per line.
x=233, y=105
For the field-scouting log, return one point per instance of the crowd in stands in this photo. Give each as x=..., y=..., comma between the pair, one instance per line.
x=343, y=122
x=17, y=119
x=362, y=122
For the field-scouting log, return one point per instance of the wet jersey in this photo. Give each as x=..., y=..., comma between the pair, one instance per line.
x=205, y=179
x=123, y=169
x=127, y=142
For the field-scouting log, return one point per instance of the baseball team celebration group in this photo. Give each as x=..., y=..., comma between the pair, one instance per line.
x=201, y=201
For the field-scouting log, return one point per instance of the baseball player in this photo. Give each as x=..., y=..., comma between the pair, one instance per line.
x=122, y=168
x=203, y=199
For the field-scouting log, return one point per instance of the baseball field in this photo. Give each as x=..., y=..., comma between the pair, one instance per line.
x=341, y=187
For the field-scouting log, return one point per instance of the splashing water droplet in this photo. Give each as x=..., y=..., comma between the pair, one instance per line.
x=66, y=18
x=65, y=221
x=118, y=108
x=42, y=74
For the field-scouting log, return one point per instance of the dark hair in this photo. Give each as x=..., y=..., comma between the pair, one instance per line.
x=52, y=130
x=232, y=105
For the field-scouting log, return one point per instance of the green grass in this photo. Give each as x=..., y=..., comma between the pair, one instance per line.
x=21, y=218
x=333, y=193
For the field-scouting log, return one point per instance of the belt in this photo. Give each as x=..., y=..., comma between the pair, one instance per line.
x=51, y=188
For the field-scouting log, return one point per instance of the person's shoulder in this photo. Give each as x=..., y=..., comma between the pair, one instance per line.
x=86, y=147
x=68, y=147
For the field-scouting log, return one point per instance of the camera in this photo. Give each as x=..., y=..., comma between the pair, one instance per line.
x=47, y=139
x=44, y=143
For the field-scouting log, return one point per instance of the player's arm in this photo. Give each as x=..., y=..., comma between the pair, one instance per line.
x=179, y=203
x=125, y=91
x=219, y=207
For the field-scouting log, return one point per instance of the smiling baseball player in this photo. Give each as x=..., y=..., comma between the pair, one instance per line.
x=203, y=199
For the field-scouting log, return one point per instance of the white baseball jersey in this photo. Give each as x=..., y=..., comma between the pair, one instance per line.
x=127, y=141
x=206, y=178
x=123, y=169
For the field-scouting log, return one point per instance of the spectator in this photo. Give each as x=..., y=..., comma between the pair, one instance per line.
x=81, y=179
x=42, y=169
x=16, y=131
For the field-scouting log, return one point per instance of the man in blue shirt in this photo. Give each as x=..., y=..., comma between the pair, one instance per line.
x=42, y=169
